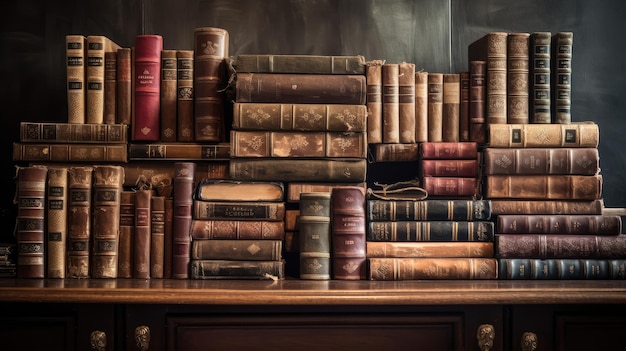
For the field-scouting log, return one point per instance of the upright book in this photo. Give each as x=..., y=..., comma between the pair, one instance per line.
x=143, y=231
x=76, y=56
x=56, y=217
x=477, y=101
x=517, y=77
x=169, y=95
x=348, y=233
x=125, y=253
x=184, y=183
x=184, y=99
x=562, y=43
x=307, y=64
x=451, y=108
x=97, y=46
x=79, y=221
x=391, y=105
x=374, y=101
x=315, y=236
x=110, y=87
x=421, y=106
x=406, y=102
x=123, y=89
x=147, y=88
x=435, y=107
x=540, y=73
x=157, y=236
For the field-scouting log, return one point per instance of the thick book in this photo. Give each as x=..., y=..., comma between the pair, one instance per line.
x=406, y=102
x=295, y=189
x=239, y=210
x=374, y=101
x=428, y=210
x=464, y=122
x=56, y=217
x=184, y=96
x=110, y=87
x=125, y=253
x=76, y=72
x=430, y=231
x=517, y=78
x=421, y=106
x=572, y=161
x=391, y=104
x=448, y=150
x=300, y=117
x=79, y=205
x=306, y=64
x=234, y=190
x=540, y=75
x=97, y=46
x=423, y=268
x=449, y=168
x=315, y=236
x=143, y=232
x=301, y=88
x=477, y=101
x=57, y=132
x=233, y=269
x=147, y=87
x=123, y=88
x=70, y=152
x=161, y=174
x=191, y=151
x=435, y=107
x=580, y=134
x=561, y=77
x=387, y=249
x=348, y=233
x=30, y=197
x=560, y=269
x=543, y=187
x=530, y=207
x=451, y=186
x=157, y=236
x=394, y=152
x=297, y=144
x=237, y=249
x=451, y=108
x=236, y=229
x=184, y=184
x=559, y=224
x=299, y=170
x=107, y=188
x=168, y=95
x=560, y=246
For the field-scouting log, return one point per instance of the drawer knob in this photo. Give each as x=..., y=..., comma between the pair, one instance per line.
x=142, y=337
x=529, y=341
x=98, y=340
x=485, y=336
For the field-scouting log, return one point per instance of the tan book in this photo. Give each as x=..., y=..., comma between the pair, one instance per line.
x=57, y=213
x=580, y=134
x=543, y=187
x=178, y=151
x=373, y=72
x=348, y=233
x=237, y=249
x=184, y=102
x=168, y=96
x=429, y=249
x=421, y=106
x=127, y=234
x=123, y=86
x=70, y=152
x=581, y=161
x=110, y=87
x=79, y=221
x=451, y=107
x=143, y=232
x=517, y=75
x=406, y=102
x=157, y=236
x=232, y=190
x=432, y=268
x=55, y=132
x=435, y=107
x=295, y=189
x=512, y=206
x=76, y=73
x=391, y=104
x=97, y=45
x=237, y=229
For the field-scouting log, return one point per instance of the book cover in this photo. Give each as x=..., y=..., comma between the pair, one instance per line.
x=169, y=95
x=234, y=190
x=560, y=269
x=374, y=101
x=540, y=73
x=185, y=96
x=435, y=107
x=237, y=249
x=543, y=187
x=295, y=189
x=451, y=108
x=307, y=64
x=449, y=168
x=184, y=183
x=477, y=101
x=239, y=210
x=70, y=152
x=76, y=74
x=168, y=237
x=428, y=210
x=123, y=89
x=391, y=104
x=79, y=221
x=432, y=268
x=421, y=106
x=517, y=75
x=299, y=170
x=97, y=46
x=451, y=186
x=386, y=249
x=531, y=207
x=178, y=151
x=547, y=246
x=430, y=231
x=161, y=174
x=348, y=233
x=237, y=229
x=110, y=87
x=231, y=269
x=579, y=134
x=572, y=161
x=464, y=121
x=561, y=77
x=559, y=224
x=143, y=232
x=394, y=152
x=157, y=236
x=315, y=236
x=147, y=87
x=125, y=253
x=406, y=102
x=56, y=217
x=58, y=132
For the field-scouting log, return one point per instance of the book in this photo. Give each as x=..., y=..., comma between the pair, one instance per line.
x=106, y=202
x=236, y=249
x=239, y=210
x=543, y=187
x=143, y=232
x=428, y=210
x=546, y=246
x=517, y=76
x=561, y=77
x=451, y=186
x=110, y=87
x=508, y=206
x=168, y=234
x=296, y=144
x=348, y=233
x=79, y=206
x=157, y=236
x=580, y=134
x=300, y=117
x=184, y=183
x=448, y=150
x=464, y=122
x=97, y=46
x=56, y=217
x=406, y=102
x=301, y=88
x=477, y=101
x=161, y=174
x=234, y=190
x=315, y=236
x=306, y=64
x=184, y=99
x=435, y=107
x=394, y=152
x=451, y=107
x=430, y=231
x=295, y=189
x=168, y=95
x=209, y=81
x=299, y=170
x=573, y=161
x=76, y=74
x=421, y=106
x=540, y=72
x=237, y=229
x=123, y=89
x=178, y=151
x=126, y=253
x=559, y=224
x=539, y=269
x=391, y=104
x=59, y=132
x=449, y=168
x=147, y=87
x=70, y=152
x=388, y=249
x=233, y=269
x=374, y=100
x=30, y=197
x=432, y=268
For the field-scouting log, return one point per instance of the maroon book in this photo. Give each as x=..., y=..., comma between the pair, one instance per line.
x=147, y=87
x=348, y=233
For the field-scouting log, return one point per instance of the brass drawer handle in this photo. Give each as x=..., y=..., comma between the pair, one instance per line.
x=98, y=340
x=485, y=335
x=142, y=337
x=529, y=341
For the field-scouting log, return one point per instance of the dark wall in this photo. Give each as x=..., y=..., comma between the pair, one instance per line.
x=433, y=34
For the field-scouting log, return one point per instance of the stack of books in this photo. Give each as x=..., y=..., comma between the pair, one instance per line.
x=450, y=169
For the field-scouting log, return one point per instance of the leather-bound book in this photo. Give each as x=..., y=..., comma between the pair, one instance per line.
x=560, y=268
x=107, y=187
x=512, y=206
x=387, y=249
x=79, y=207
x=451, y=107
x=56, y=217
x=97, y=46
x=561, y=73
x=294, y=189
x=157, y=236
x=184, y=184
x=406, y=102
x=237, y=249
x=581, y=161
x=76, y=74
x=423, y=268
x=237, y=229
x=307, y=64
x=464, y=123
x=30, y=196
x=430, y=231
x=395, y=152
x=517, y=75
x=147, y=88
x=421, y=106
x=58, y=132
x=123, y=89
x=179, y=151
x=239, y=210
x=428, y=210
x=315, y=236
x=449, y=168
x=230, y=269
x=70, y=152
x=546, y=187
x=451, y=186
x=169, y=95
x=435, y=107
x=233, y=190
x=560, y=246
x=110, y=87
x=540, y=67
x=184, y=99
x=477, y=101
x=374, y=101
x=351, y=170
x=158, y=172
x=465, y=150
x=559, y=224
x=168, y=235
x=348, y=233
x=143, y=232
x=125, y=252
x=580, y=134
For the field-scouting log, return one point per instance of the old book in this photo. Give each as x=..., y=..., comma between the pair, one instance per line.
x=477, y=101
x=97, y=46
x=56, y=217
x=559, y=224
x=168, y=95
x=449, y=168
x=70, y=152
x=237, y=229
x=544, y=187
x=178, y=151
x=517, y=76
x=451, y=107
x=123, y=89
x=234, y=190
x=299, y=170
x=395, y=152
x=55, y=132
x=184, y=98
x=421, y=106
x=509, y=206
x=147, y=87
x=168, y=235
x=236, y=249
x=76, y=74
x=307, y=64
x=428, y=210
x=560, y=246
x=581, y=161
x=451, y=186
x=295, y=189
x=387, y=249
x=161, y=174
x=141, y=243
x=125, y=253
x=406, y=102
x=560, y=268
x=231, y=269
x=239, y=210
x=79, y=208
x=348, y=233
x=448, y=150
x=435, y=107
x=297, y=144
x=209, y=79
x=184, y=183
x=107, y=187
x=110, y=87
x=464, y=122
x=315, y=236
x=301, y=88
x=430, y=231
x=300, y=117
x=432, y=268
x=30, y=197
x=561, y=74
x=157, y=236
x=374, y=101
x=540, y=84
x=580, y=134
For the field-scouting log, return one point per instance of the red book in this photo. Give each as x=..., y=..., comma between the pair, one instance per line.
x=348, y=233
x=147, y=86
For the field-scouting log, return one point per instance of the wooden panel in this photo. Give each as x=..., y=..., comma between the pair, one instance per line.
x=578, y=332
x=40, y=331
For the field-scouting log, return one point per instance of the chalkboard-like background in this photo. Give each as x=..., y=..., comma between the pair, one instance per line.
x=433, y=34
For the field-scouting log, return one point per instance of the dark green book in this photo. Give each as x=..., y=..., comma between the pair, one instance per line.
x=430, y=231
x=428, y=210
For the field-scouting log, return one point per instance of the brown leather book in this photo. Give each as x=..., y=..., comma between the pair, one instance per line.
x=55, y=132
x=184, y=99
x=296, y=144
x=300, y=117
x=79, y=207
x=430, y=231
x=581, y=161
x=307, y=64
x=123, y=87
x=374, y=101
x=428, y=210
x=168, y=237
x=76, y=74
x=508, y=206
x=143, y=231
x=448, y=150
x=70, y=152
x=432, y=268
x=314, y=225
x=147, y=88
x=107, y=186
x=97, y=46
x=110, y=86
x=464, y=122
x=237, y=229
x=395, y=152
x=561, y=74
x=56, y=217
x=157, y=236
x=161, y=174
x=350, y=170
x=184, y=184
x=237, y=249
x=233, y=190
x=579, y=134
x=179, y=151
x=125, y=253
x=560, y=246
x=429, y=249
x=449, y=168
x=543, y=187
x=30, y=196
x=559, y=224
x=295, y=189
x=406, y=102
x=239, y=210
x=517, y=75
x=435, y=107
x=169, y=95
x=477, y=101
x=348, y=233
x=244, y=270
x=421, y=106
x=540, y=89
x=451, y=186
x=451, y=107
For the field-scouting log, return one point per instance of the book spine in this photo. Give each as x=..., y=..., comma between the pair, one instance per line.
x=168, y=237
x=163, y=172
x=79, y=222
x=95, y=79
x=572, y=161
x=232, y=190
x=70, y=152
x=501, y=207
x=546, y=246
x=448, y=150
x=75, y=54
x=395, y=152
x=496, y=77
x=388, y=249
x=123, y=87
x=406, y=102
x=308, y=64
x=464, y=122
x=184, y=102
x=295, y=189
x=559, y=269
x=56, y=217
x=245, y=210
x=323, y=170
x=348, y=233
x=562, y=43
x=141, y=244
x=540, y=94
x=38, y=132
x=179, y=151
x=168, y=96
x=238, y=249
x=432, y=268
x=451, y=107
x=110, y=86
x=125, y=254
x=107, y=187
x=228, y=269
x=181, y=221
x=374, y=101
x=157, y=236
x=315, y=236
x=477, y=101
x=435, y=107
x=517, y=78
x=559, y=224
x=237, y=229
x=430, y=231
x=428, y=210
x=449, y=168
x=450, y=186
x=538, y=187
x=147, y=87
x=421, y=106
x=544, y=135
